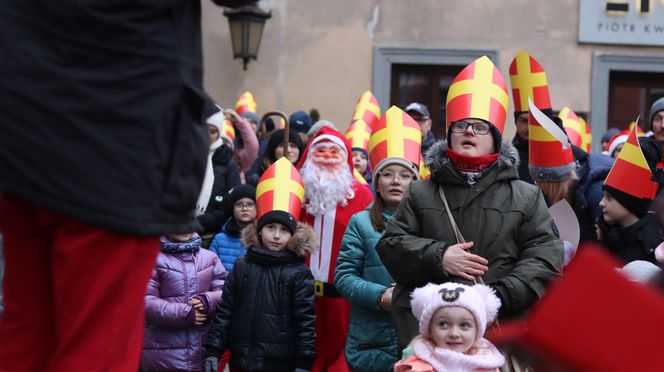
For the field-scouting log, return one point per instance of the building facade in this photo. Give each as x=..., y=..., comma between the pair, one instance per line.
x=603, y=58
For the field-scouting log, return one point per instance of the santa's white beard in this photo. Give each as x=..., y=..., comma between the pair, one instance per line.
x=326, y=186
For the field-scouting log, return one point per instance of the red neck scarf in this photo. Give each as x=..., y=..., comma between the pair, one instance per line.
x=471, y=163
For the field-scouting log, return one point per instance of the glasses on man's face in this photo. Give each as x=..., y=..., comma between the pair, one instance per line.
x=241, y=206
x=479, y=127
x=403, y=177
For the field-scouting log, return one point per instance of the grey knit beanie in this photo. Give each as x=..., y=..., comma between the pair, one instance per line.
x=654, y=109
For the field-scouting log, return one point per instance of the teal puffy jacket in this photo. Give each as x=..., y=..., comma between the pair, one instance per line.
x=361, y=278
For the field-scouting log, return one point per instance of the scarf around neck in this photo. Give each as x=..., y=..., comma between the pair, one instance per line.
x=191, y=245
x=208, y=181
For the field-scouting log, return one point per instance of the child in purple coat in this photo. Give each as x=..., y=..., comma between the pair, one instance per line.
x=181, y=297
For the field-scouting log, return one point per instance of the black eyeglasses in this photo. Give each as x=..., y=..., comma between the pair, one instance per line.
x=479, y=127
x=241, y=206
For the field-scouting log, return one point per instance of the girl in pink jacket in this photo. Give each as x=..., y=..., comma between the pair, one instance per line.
x=452, y=320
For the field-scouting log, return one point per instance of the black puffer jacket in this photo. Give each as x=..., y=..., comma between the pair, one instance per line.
x=266, y=317
x=226, y=176
x=632, y=243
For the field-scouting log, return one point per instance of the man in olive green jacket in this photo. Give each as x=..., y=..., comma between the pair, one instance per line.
x=505, y=222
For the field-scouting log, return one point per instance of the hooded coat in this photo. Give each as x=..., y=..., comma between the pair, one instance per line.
x=172, y=342
x=266, y=318
x=226, y=176
x=506, y=218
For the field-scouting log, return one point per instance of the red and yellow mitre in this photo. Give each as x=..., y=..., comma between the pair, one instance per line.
x=396, y=138
x=425, y=172
x=358, y=135
x=528, y=79
x=367, y=109
x=227, y=130
x=589, y=136
x=281, y=123
x=358, y=176
x=577, y=130
x=550, y=157
x=280, y=189
x=479, y=92
x=245, y=103
x=630, y=172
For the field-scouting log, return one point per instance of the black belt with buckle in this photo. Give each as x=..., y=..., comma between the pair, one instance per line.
x=322, y=289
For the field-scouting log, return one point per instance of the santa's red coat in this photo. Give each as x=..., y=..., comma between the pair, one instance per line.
x=330, y=228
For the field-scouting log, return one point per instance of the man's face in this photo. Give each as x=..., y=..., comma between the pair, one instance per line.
x=423, y=121
x=470, y=143
x=522, y=126
x=658, y=126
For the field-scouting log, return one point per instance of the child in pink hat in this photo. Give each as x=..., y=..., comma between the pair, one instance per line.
x=452, y=320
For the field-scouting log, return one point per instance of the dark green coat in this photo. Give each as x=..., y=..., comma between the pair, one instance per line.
x=506, y=218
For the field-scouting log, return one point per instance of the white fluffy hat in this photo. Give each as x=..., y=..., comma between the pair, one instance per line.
x=479, y=299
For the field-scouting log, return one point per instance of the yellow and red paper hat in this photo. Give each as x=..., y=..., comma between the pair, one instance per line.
x=425, y=172
x=245, y=103
x=367, y=109
x=359, y=177
x=227, y=131
x=358, y=135
x=280, y=188
x=630, y=172
x=550, y=157
x=589, y=134
x=479, y=92
x=528, y=79
x=577, y=130
x=396, y=138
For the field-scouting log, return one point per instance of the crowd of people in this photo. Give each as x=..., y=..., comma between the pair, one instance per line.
x=301, y=248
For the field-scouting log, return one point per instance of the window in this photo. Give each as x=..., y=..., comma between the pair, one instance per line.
x=631, y=94
x=427, y=84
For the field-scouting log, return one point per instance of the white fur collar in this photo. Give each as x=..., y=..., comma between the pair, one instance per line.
x=487, y=357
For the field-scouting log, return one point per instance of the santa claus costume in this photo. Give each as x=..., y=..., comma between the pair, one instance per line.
x=332, y=196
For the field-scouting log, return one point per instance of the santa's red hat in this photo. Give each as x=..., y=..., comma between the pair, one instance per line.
x=327, y=134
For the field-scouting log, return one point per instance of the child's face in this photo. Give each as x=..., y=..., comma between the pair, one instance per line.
x=244, y=211
x=360, y=161
x=180, y=237
x=275, y=236
x=453, y=328
x=614, y=212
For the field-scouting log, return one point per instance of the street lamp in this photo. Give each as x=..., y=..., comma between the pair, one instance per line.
x=246, y=24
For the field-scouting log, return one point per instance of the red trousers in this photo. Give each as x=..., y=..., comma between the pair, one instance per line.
x=73, y=293
x=332, y=316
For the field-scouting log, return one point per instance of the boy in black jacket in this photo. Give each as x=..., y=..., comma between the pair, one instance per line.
x=266, y=317
x=625, y=226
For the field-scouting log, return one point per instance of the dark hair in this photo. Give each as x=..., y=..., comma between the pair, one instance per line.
x=376, y=213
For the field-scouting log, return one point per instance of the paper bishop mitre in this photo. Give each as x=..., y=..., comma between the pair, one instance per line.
x=528, y=80
x=358, y=135
x=367, y=109
x=577, y=130
x=479, y=92
x=245, y=103
x=550, y=157
x=280, y=189
x=396, y=139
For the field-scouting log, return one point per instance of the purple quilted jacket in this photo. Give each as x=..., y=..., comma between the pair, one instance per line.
x=172, y=341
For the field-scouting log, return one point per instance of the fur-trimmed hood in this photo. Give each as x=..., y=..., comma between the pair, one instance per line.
x=302, y=243
x=436, y=157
